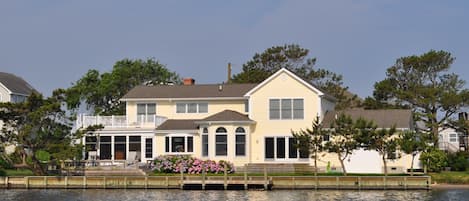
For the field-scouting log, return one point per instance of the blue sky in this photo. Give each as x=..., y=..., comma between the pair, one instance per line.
x=53, y=43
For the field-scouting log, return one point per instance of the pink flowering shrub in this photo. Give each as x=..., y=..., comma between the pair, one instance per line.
x=188, y=164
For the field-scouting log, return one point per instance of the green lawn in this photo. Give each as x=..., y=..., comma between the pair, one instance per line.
x=451, y=177
x=20, y=172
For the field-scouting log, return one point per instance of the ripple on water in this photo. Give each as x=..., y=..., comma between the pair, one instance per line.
x=178, y=195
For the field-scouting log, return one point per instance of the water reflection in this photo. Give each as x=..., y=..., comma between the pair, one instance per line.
x=280, y=195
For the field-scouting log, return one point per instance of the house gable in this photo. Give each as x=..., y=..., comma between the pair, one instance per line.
x=289, y=73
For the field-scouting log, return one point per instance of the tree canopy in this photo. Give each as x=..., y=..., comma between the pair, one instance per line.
x=295, y=58
x=101, y=92
x=40, y=129
x=311, y=141
x=343, y=138
x=423, y=83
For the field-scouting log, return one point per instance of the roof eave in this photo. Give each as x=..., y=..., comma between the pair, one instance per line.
x=177, y=131
x=225, y=122
x=183, y=99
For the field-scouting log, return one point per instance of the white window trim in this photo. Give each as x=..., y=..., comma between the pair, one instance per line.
x=186, y=108
x=227, y=142
x=185, y=144
x=202, y=143
x=287, y=149
x=245, y=142
x=455, y=138
x=146, y=111
x=292, y=109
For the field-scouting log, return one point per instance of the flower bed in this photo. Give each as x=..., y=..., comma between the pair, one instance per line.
x=191, y=165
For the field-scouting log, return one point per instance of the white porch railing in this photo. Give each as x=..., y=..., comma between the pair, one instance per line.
x=142, y=121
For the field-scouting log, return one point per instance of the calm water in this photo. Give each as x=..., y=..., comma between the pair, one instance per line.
x=281, y=195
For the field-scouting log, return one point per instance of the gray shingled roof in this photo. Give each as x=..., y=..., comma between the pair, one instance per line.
x=178, y=124
x=15, y=84
x=227, y=115
x=191, y=91
x=382, y=118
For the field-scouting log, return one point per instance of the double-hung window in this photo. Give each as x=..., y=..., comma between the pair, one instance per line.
x=286, y=108
x=221, y=142
x=240, y=142
x=191, y=107
x=453, y=137
x=205, y=142
x=146, y=112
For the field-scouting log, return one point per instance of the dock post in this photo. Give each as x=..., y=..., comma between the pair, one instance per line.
x=203, y=178
x=429, y=181
x=317, y=182
x=84, y=181
x=359, y=183
x=337, y=182
x=45, y=182
x=384, y=182
x=182, y=179
x=293, y=183
x=26, y=182
x=265, y=178
x=225, y=176
x=146, y=181
x=167, y=182
x=245, y=177
x=6, y=182
x=66, y=182
x=405, y=182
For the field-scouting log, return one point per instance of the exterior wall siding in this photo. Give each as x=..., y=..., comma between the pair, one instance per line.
x=282, y=86
x=4, y=94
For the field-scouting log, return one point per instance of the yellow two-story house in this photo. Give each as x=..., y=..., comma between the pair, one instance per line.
x=241, y=123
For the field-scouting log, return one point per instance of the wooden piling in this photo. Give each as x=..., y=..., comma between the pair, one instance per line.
x=245, y=177
x=266, y=185
x=225, y=176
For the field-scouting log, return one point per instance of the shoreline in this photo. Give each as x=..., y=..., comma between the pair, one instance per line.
x=449, y=186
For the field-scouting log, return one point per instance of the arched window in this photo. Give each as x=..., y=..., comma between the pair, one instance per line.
x=205, y=142
x=221, y=142
x=221, y=130
x=240, y=149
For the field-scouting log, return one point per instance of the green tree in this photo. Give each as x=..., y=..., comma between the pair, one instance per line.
x=295, y=58
x=381, y=140
x=342, y=138
x=434, y=160
x=311, y=141
x=422, y=83
x=409, y=142
x=101, y=92
x=37, y=126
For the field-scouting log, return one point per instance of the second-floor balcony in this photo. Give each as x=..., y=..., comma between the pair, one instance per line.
x=121, y=121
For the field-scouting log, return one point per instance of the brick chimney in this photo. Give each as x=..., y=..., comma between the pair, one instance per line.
x=188, y=81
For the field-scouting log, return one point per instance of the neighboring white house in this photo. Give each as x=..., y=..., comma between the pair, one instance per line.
x=449, y=140
x=13, y=89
